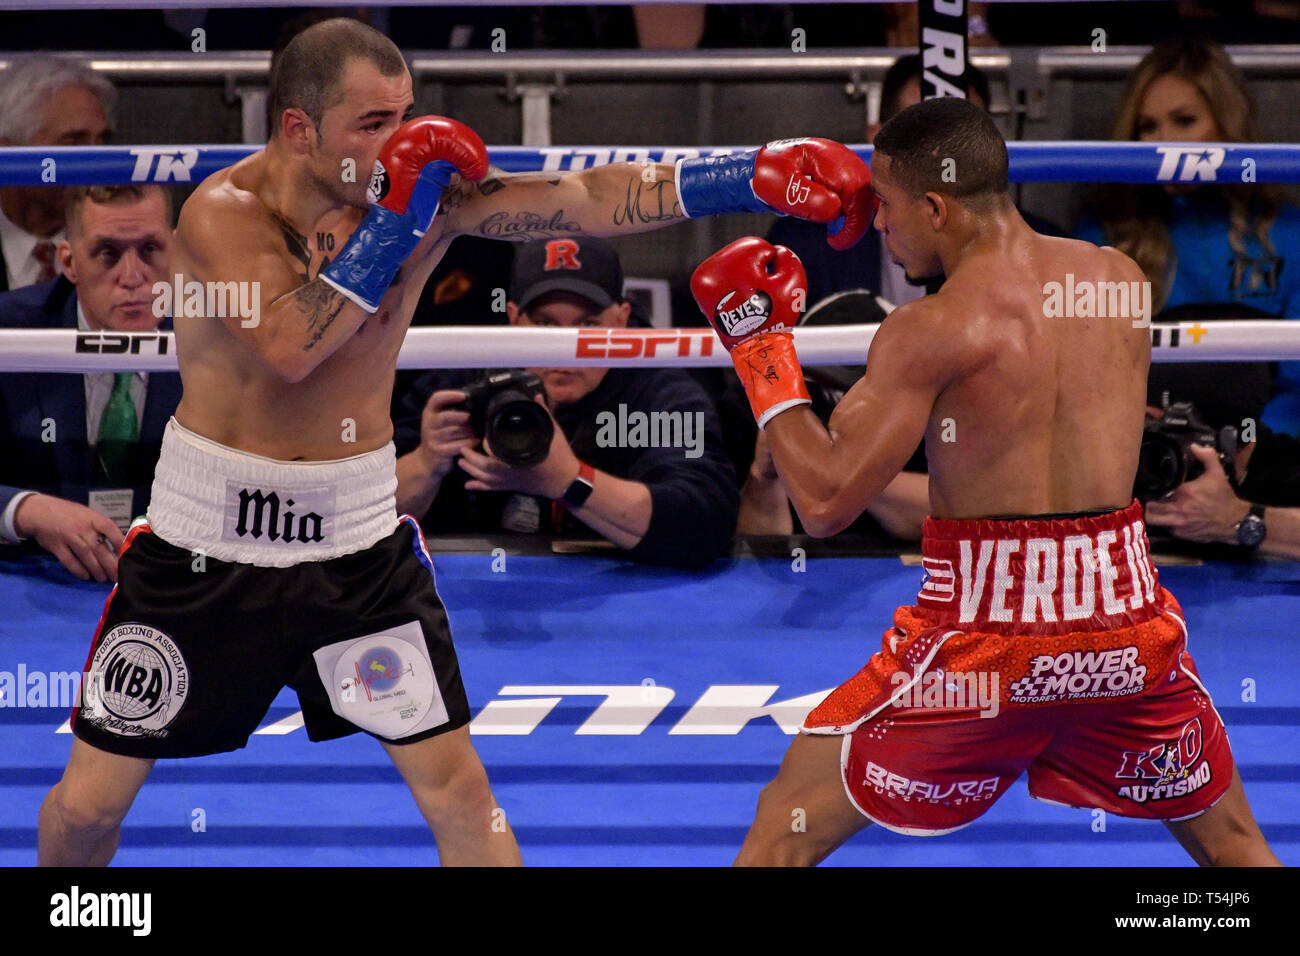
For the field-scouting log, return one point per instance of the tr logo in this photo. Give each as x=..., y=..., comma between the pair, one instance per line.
x=1198, y=163
x=1255, y=276
x=154, y=165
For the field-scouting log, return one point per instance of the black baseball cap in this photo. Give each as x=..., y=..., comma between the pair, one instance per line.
x=584, y=265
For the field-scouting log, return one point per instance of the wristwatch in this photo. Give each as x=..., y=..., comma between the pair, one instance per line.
x=579, y=490
x=1251, y=530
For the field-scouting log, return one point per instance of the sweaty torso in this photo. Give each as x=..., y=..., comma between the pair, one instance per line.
x=1048, y=419
x=231, y=396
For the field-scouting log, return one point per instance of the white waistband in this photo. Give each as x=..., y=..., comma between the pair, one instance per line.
x=232, y=506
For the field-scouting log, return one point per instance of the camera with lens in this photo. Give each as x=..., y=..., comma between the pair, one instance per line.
x=503, y=409
x=1166, y=459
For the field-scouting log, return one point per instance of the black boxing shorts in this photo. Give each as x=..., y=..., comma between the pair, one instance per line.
x=232, y=590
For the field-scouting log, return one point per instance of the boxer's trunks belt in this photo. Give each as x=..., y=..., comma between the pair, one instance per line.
x=1039, y=576
x=234, y=506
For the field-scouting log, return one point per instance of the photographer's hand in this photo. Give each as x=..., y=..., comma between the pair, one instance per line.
x=617, y=508
x=549, y=478
x=444, y=434
x=1206, y=509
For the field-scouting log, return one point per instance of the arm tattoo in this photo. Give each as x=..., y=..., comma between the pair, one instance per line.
x=645, y=205
x=462, y=191
x=523, y=226
x=320, y=305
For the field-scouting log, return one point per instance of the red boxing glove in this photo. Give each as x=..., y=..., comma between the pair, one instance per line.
x=752, y=294
x=817, y=179
x=741, y=297
x=414, y=167
x=417, y=163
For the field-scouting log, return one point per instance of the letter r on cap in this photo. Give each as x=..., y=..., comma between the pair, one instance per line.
x=562, y=254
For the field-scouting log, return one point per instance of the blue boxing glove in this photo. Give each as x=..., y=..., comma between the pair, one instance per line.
x=414, y=167
x=816, y=179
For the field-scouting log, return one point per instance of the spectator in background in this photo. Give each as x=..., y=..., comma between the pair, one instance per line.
x=669, y=26
x=44, y=101
x=1256, y=509
x=1201, y=244
x=663, y=505
x=77, y=452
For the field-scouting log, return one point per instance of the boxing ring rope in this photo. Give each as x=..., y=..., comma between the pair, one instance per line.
x=66, y=350
x=1045, y=161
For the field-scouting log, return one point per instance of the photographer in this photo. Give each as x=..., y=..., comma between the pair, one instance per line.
x=1260, y=514
x=672, y=505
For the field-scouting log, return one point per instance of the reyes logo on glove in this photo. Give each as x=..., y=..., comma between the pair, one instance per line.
x=378, y=187
x=743, y=317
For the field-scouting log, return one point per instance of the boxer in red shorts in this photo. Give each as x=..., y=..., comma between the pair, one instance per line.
x=1041, y=639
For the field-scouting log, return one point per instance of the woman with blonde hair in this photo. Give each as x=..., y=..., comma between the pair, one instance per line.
x=1226, y=242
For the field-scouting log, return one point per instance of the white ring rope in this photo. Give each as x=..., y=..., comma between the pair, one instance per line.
x=67, y=350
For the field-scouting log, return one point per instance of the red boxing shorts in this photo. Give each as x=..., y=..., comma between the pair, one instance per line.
x=1044, y=645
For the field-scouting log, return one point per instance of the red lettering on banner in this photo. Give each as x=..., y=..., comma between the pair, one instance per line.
x=621, y=346
x=591, y=343
x=655, y=339
x=635, y=343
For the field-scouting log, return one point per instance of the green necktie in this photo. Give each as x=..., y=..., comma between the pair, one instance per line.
x=118, y=431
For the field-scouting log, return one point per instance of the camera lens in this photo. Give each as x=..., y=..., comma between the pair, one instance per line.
x=518, y=430
x=1161, y=468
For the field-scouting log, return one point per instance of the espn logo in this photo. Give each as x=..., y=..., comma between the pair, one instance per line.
x=121, y=343
x=643, y=343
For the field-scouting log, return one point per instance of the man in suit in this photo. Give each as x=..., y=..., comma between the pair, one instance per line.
x=44, y=101
x=77, y=451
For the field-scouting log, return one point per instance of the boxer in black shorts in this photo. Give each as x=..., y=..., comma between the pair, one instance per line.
x=273, y=554
x=199, y=677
